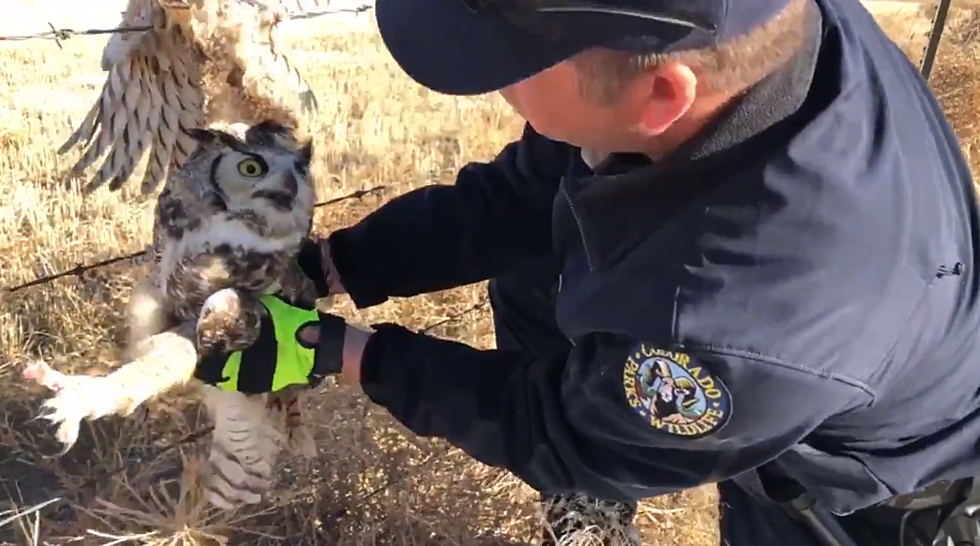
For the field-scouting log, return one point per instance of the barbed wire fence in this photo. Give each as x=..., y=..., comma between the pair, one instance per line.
x=62, y=34
x=59, y=35
x=81, y=269
x=935, y=35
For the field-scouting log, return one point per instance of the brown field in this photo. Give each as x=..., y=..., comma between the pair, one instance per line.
x=372, y=484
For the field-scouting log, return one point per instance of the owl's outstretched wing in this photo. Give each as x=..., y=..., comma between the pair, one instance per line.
x=244, y=448
x=151, y=95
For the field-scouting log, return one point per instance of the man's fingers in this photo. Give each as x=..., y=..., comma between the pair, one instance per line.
x=326, y=262
x=308, y=336
x=311, y=263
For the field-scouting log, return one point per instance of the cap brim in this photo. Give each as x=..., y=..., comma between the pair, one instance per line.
x=449, y=49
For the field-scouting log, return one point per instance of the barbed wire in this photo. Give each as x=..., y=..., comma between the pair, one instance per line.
x=80, y=269
x=313, y=14
x=60, y=35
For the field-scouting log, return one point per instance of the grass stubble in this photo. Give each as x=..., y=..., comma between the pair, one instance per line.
x=372, y=483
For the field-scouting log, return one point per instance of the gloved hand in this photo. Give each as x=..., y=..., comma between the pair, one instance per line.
x=281, y=356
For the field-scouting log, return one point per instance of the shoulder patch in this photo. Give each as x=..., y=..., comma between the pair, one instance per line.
x=675, y=393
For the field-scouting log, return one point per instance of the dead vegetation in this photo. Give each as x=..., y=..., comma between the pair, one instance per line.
x=372, y=483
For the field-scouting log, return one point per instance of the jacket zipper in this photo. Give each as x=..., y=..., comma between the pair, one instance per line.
x=578, y=222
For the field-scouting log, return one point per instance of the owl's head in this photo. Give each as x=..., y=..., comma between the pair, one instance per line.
x=263, y=167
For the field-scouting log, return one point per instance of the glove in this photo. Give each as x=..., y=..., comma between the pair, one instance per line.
x=280, y=357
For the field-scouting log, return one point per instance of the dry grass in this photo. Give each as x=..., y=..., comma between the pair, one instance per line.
x=373, y=483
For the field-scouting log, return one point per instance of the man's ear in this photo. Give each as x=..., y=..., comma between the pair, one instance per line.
x=670, y=91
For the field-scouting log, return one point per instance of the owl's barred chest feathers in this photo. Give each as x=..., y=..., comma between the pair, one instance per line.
x=234, y=249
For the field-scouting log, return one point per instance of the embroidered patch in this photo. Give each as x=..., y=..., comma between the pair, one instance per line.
x=675, y=393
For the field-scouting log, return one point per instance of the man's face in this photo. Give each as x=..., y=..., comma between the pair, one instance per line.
x=552, y=103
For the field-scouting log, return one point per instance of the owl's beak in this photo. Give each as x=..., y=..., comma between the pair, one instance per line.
x=281, y=198
x=289, y=182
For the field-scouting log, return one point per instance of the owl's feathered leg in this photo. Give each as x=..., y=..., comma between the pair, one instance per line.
x=166, y=360
x=272, y=75
x=246, y=441
x=279, y=66
x=244, y=448
x=146, y=313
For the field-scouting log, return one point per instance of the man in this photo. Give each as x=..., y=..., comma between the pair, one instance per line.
x=736, y=244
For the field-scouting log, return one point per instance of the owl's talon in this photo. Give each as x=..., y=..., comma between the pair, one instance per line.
x=67, y=422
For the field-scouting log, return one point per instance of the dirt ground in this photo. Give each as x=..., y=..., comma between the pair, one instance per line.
x=372, y=483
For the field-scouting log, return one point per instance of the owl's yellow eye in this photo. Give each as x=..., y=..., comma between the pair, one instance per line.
x=251, y=168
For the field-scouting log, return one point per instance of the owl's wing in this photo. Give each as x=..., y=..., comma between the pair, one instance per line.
x=244, y=448
x=151, y=96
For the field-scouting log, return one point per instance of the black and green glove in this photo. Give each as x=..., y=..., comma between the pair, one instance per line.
x=280, y=356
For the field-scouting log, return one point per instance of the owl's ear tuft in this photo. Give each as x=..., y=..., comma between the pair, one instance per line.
x=206, y=137
x=306, y=154
x=202, y=136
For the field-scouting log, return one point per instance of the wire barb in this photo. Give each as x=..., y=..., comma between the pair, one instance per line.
x=80, y=270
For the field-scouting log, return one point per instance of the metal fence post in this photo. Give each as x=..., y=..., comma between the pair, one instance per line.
x=935, y=35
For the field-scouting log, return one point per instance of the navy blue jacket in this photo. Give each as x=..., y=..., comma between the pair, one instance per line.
x=796, y=285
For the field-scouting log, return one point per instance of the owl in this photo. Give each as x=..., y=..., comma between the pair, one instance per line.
x=227, y=229
x=203, y=80
x=201, y=62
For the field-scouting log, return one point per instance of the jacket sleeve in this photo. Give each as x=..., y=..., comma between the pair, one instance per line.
x=619, y=422
x=442, y=236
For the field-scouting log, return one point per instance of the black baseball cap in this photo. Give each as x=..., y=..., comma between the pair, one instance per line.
x=469, y=47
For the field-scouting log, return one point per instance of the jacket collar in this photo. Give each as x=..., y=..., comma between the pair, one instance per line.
x=627, y=196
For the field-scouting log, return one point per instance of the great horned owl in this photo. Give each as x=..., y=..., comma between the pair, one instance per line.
x=228, y=228
x=202, y=62
x=174, y=89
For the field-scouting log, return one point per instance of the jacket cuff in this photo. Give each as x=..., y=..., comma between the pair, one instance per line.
x=377, y=377
x=328, y=355
x=355, y=276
